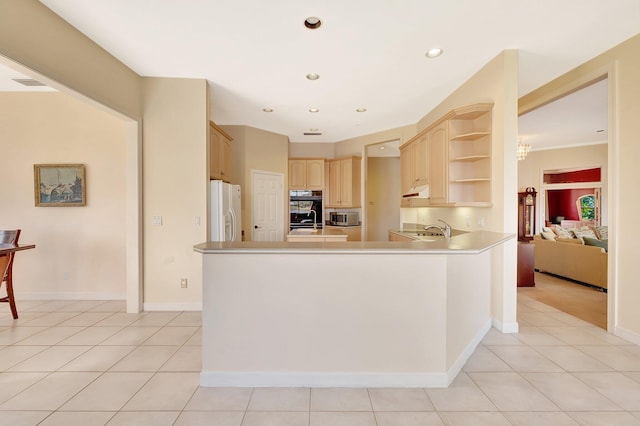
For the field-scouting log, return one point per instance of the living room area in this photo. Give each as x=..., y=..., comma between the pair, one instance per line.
x=567, y=165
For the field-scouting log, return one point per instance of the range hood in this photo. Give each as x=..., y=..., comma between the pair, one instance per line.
x=420, y=191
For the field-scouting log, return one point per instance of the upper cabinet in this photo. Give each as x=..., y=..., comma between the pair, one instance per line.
x=414, y=160
x=344, y=182
x=306, y=173
x=457, y=154
x=220, y=153
x=438, y=142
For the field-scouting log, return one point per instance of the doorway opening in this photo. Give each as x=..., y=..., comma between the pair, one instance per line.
x=381, y=189
x=569, y=163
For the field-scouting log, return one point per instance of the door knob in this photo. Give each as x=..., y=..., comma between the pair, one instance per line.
x=255, y=227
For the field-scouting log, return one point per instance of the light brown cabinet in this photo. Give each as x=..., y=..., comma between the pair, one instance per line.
x=344, y=182
x=438, y=188
x=457, y=154
x=393, y=236
x=354, y=233
x=306, y=173
x=220, y=153
x=414, y=159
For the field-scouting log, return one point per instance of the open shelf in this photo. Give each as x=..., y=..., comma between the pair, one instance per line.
x=470, y=158
x=470, y=180
x=470, y=136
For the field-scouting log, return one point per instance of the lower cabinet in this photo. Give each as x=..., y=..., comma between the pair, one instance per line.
x=393, y=236
x=353, y=232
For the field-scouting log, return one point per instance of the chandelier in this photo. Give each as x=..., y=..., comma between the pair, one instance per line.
x=523, y=149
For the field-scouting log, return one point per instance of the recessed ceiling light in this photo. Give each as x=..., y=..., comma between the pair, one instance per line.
x=267, y=109
x=313, y=76
x=361, y=109
x=382, y=147
x=312, y=22
x=314, y=110
x=313, y=130
x=434, y=52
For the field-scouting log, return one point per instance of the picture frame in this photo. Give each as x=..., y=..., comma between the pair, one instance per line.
x=60, y=185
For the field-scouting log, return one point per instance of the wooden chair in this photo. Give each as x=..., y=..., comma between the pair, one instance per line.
x=6, y=266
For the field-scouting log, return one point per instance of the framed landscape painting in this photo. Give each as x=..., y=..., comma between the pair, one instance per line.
x=59, y=185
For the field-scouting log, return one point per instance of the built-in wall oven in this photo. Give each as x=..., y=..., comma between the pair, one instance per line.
x=305, y=209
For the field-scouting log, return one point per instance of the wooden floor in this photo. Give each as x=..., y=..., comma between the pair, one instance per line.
x=586, y=303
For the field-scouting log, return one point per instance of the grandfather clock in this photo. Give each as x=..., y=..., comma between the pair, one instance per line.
x=526, y=214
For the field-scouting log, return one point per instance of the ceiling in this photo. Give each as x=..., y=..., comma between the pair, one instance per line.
x=580, y=118
x=369, y=54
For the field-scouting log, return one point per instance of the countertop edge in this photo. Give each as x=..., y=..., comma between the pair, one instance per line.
x=471, y=243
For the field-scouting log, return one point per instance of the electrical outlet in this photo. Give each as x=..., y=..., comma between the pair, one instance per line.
x=183, y=283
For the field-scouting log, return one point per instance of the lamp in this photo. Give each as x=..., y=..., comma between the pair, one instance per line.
x=523, y=149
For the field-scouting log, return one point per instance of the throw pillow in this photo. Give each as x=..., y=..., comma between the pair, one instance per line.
x=547, y=229
x=602, y=232
x=561, y=232
x=548, y=236
x=584, y=231
x=596, y=243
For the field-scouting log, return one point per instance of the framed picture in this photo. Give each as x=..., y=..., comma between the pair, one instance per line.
x=59, y=185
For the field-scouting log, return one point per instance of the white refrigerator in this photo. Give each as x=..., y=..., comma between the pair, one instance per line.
x=226, y=215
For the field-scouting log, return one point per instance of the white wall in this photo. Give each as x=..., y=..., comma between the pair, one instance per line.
x=80, y=251
x=175, y=178
x=311, y=150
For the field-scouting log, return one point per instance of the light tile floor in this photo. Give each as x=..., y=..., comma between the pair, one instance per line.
x=89, y=363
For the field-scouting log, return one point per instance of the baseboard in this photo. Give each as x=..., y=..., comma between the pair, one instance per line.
x=629, y=335
x=453, y=371
x=191, y=306
x=320, y=380
x=506, y=327
x=69, y=296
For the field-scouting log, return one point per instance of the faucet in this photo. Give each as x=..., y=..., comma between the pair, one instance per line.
x=446, y=230
x=315, y=225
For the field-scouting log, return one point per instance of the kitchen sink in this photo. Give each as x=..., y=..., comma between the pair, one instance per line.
x=431, y=233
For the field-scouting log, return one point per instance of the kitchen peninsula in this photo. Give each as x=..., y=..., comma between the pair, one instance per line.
x=359, y=314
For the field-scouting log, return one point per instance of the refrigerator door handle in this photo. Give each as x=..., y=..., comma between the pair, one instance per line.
x=233, y=224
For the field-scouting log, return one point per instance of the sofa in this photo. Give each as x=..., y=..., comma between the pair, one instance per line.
x=572, y=258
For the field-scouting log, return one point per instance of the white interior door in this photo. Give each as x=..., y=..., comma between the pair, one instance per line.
x=267, y=200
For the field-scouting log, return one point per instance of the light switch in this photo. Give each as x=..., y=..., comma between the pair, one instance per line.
x=156, y=220
x=196, y=221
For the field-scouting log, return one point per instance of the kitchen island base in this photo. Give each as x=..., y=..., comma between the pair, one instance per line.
x=342, y=318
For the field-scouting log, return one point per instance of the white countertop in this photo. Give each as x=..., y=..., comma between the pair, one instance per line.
x=468, y=243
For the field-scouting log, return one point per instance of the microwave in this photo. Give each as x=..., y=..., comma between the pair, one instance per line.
x=344, y=218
